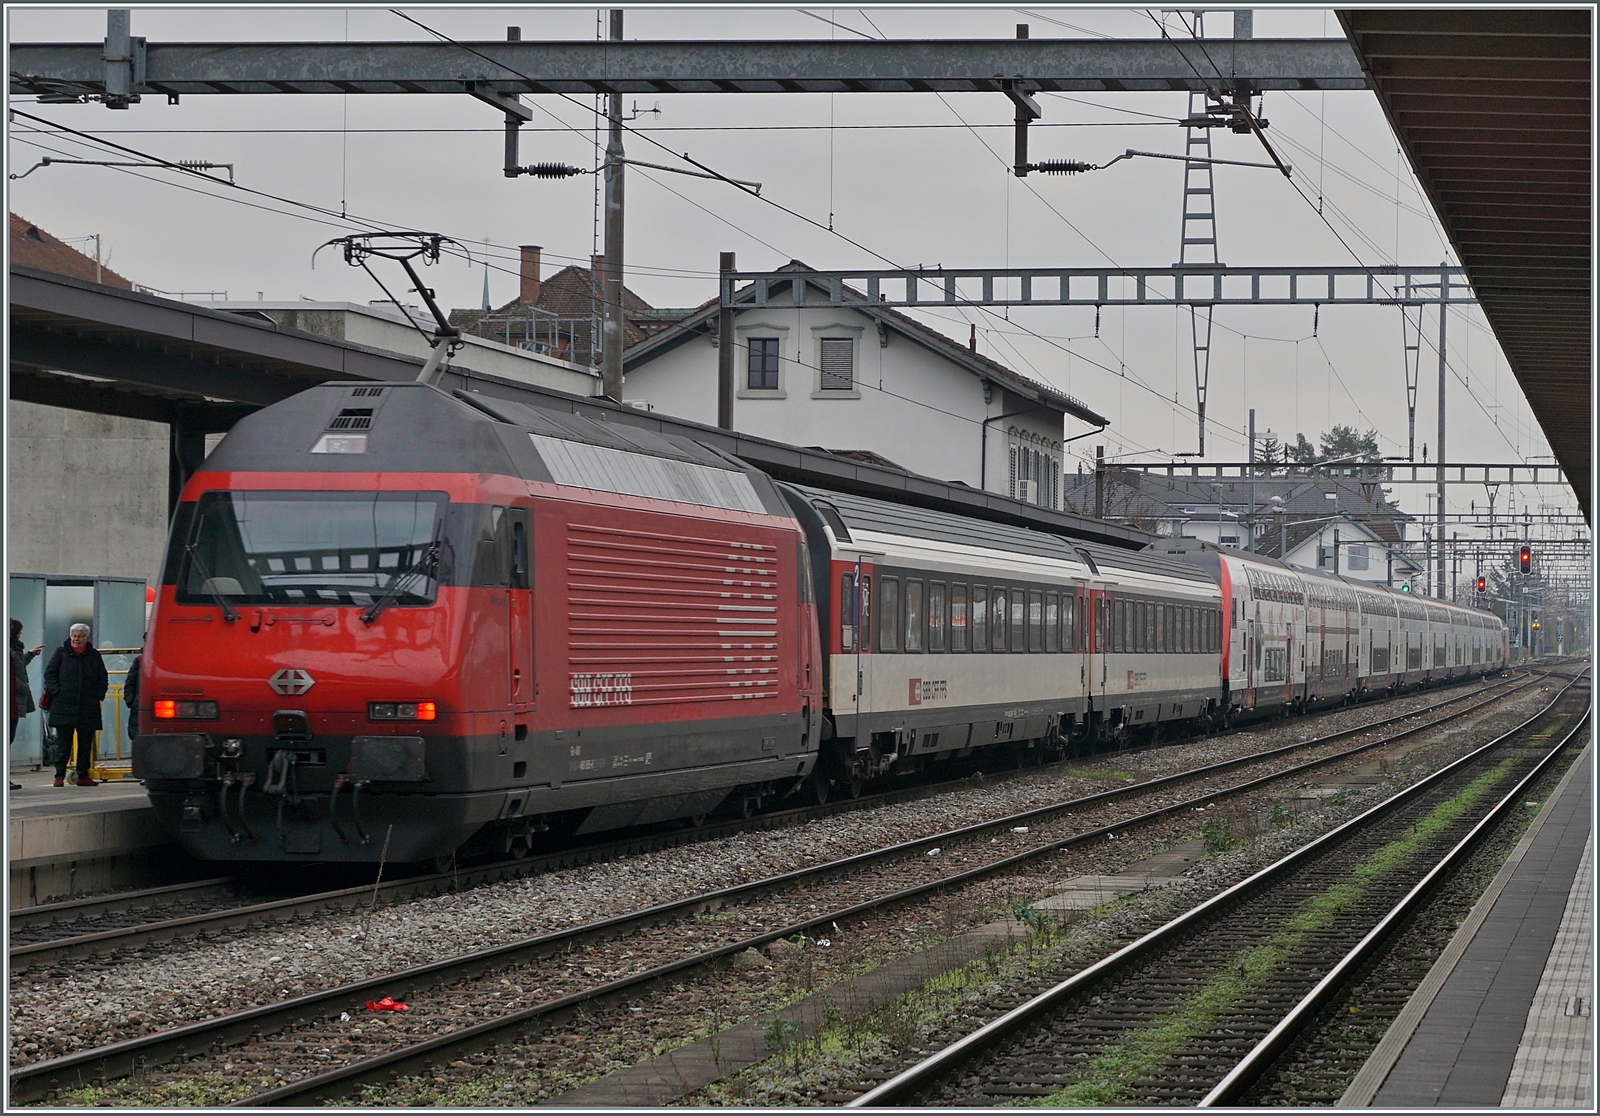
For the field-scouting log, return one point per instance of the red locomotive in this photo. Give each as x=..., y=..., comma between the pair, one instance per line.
x=390, y=616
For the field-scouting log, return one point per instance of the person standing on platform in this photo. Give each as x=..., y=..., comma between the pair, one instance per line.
x=75, y=683
x=130, y=696
x=21, y=692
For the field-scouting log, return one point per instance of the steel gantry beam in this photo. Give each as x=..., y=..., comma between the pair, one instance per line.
x=1189, y=284
x=1396, y=473
x=77, y=70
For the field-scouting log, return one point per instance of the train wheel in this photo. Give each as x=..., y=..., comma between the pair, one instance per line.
x=857, y=785
x=441, y=864
x=819, y=788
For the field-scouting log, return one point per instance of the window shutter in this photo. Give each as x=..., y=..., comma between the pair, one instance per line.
x=1013, y=492
x=838, y=371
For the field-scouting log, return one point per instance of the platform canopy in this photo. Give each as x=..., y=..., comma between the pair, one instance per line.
x=1492, y=108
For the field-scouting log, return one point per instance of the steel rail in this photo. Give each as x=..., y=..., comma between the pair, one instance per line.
x=333, y=1082
x=907, y=1083
x=279, y=910
x=1250, y=1069
x=47, y=913
x=122, y=1059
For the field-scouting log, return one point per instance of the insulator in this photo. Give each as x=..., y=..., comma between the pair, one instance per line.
x=551, y=170
x=1062, y=166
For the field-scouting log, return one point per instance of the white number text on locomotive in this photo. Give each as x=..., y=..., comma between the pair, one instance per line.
x=602, y=689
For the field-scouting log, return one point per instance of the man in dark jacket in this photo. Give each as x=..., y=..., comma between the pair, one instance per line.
x=130, y=696
x=77, y=682
x=21, y=692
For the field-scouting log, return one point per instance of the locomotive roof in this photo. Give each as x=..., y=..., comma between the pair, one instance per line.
x=366, y=427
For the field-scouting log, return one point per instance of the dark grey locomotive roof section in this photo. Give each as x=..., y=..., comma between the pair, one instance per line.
x=406, y=428
x=160, y=360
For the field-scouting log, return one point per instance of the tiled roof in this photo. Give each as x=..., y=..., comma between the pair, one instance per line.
x=1155, y=496
x=32, y=247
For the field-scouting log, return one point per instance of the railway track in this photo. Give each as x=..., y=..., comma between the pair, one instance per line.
x=299, y=1037
x=1197, y=1010
x=44, y=936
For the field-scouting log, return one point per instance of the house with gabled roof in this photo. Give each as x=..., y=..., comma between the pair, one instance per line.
x=1341, y=524
x=865, y=381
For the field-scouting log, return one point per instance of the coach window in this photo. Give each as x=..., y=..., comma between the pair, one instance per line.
x=1052, y=623
x=1035, y=621
x=914, y=617
x=1069, y=620
x=958, y=617
x=1119, y=625
x=889, y=614
x=936, y=616
x=1163, y=627
x=1191, y=644
x=980, y=618
x=997, y=618
x=1019, y=619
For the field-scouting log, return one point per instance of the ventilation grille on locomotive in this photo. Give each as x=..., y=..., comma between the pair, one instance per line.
x=669, y=619
x=352, y=418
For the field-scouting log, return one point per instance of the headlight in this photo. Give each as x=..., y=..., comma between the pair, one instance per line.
x=402, y=711
x=166, y=710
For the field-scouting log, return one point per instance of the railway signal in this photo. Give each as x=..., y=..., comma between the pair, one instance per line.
x=1483, y=584
x=1525, y=559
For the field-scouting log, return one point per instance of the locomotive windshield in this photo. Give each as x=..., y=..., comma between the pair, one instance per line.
x=313, y=548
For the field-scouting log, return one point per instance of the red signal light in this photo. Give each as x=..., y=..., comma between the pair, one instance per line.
x=1525, y=559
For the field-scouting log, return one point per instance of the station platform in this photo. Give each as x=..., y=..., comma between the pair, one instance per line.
x=1503, y=1019
x=67, y=841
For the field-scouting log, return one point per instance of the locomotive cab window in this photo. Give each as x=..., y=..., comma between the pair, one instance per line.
x=314, y=548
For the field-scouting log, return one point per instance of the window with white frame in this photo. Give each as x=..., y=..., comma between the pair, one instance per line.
x=763, y=364
x=837, y=359
x=1035, y=469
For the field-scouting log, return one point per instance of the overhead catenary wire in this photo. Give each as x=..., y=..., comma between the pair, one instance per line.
x=293, y=202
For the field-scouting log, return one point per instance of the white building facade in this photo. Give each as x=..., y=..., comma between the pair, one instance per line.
x=865, y=381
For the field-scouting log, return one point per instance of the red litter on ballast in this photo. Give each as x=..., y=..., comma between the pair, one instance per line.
x=388, y=1003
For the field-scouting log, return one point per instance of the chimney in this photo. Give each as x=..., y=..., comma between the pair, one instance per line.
x=972, y=342
x=597, y=267
x=530, y=274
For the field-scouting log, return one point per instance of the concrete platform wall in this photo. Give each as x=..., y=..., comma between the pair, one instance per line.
x=88, y=493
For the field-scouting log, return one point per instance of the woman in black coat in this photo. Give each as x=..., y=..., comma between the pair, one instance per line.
x=76, y=682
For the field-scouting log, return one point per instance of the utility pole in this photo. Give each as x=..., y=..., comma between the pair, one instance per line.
x=1250, y=519
x=1439, y=458
x=612, y=331
x=726, y=369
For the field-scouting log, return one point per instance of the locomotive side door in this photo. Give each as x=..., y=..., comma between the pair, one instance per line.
x=519, y=606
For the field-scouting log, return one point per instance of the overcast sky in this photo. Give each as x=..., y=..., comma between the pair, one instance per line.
x=916, y=178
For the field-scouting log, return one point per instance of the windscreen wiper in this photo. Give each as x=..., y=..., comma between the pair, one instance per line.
x=216, y=594
x=375, y=610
